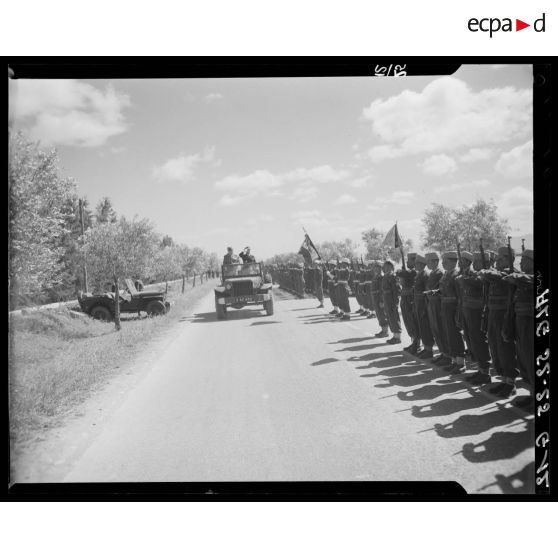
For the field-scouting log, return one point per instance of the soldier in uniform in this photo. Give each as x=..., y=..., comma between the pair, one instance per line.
x=378, y=299
x=343, y=290
x=230, y=257
x=432, y=293
x=472, y=306
x=368, y=275
x=502, y=350
x=407, y=278
x=391, y=290
x=299, y=279
x=332, y=287
x=318, y=280
x=448, y=293
x=420, y=308
x=356, y=287
x=246, y=256
x=524, y=310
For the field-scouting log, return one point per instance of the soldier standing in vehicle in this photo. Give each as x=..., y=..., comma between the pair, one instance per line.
x=246, y=255
x=230, y=257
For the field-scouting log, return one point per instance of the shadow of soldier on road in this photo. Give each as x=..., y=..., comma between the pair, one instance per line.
x=450, y=406
x=470, y=425
x=351, y=340
x=521, y=482
x=360, y=347
x=500, y=445
x=431, y=391
x=324, y=361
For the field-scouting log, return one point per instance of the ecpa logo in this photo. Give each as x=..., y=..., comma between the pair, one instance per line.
x=492, y=25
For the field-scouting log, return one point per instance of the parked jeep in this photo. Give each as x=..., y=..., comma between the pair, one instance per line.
x=101, y=306
x=243, y=284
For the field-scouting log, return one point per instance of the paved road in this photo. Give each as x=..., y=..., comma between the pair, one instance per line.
x=298, y=397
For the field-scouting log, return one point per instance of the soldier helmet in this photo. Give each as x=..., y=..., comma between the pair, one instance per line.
x=527, y=254
x=420, y=259
x=345, y=260
x=450, y=255
x=432, y=256
x=466, y=256
x=390, y=262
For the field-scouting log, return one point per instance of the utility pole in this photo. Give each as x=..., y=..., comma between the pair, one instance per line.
x=82, y=234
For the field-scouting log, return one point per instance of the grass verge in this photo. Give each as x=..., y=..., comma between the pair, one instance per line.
x=59, y=357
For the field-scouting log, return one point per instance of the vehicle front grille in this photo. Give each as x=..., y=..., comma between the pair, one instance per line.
x=241, y=288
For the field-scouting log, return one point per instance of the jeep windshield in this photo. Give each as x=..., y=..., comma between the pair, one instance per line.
x=241, y=270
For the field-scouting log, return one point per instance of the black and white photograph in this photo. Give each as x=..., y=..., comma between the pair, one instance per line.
x=261, y=279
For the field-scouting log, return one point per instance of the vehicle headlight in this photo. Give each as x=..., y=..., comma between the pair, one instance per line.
x=228, y=286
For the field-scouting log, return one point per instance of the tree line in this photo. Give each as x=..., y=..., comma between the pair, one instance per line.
x=442, y=227
x=57, y=241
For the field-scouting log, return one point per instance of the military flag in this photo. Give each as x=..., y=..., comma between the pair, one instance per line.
x=392, y=238
x=304, y=251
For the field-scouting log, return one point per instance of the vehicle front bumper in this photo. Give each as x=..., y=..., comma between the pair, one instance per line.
x=246, y=299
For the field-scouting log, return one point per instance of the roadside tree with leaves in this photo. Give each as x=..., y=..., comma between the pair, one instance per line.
x=443, y=225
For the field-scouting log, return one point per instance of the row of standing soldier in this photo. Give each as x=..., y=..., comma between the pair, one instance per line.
x=473, y=304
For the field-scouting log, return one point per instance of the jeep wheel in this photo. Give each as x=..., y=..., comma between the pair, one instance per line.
x=156, y=308
x=101, y=313
x=268, y=306
x=220, y=309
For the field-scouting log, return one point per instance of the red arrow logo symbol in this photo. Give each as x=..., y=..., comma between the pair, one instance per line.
x=519, y=25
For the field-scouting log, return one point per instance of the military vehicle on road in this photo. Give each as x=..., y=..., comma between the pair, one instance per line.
x=243, y=284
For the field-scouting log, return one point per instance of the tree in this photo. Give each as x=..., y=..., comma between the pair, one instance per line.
x=37, y=225
x=443, y=225
x=104, y=212
x=167, y=264
x=167, y=241
x=372, y=239
x=332, y=250
x=118, y=250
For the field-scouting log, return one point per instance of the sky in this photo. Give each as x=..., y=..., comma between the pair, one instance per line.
x=218, y=162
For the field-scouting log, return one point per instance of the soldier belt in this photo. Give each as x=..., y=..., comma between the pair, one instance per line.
x=342, y=282
x=407, y=291
x=524, y=309
x=471, y=302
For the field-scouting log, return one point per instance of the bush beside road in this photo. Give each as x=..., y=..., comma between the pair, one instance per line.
x=58, y=357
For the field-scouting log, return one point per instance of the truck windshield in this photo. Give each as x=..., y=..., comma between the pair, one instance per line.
x=241, y=270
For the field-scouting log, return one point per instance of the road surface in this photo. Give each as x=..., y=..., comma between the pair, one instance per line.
x=295, y=396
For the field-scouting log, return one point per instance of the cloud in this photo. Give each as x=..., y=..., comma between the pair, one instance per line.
x=445, y=116
x=361, y=182
x=264, y=182
x=70, y=112
x=438, y=165
x=304, y=194
x=309, y=217
x=345, y=199
x=213, y=97
x=259, y=219
x=517, y=163
x=183, y=167
x=477, y=154
x=480, y=183
x=400, y=197
x=516, y=205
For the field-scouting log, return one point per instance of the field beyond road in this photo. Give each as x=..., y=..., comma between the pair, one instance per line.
x=59, y=357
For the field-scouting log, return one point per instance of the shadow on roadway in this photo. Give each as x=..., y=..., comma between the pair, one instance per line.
x=471, y=425
x=430, y=391
x=521, y=482
x=324, y=361
x=500, y=445
x=360, y=347
x=352, y=340
x=450, y=406
x=207, y=317
x=265, y=323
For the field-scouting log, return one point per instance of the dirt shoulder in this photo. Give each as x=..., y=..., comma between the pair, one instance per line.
x=59, y=359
